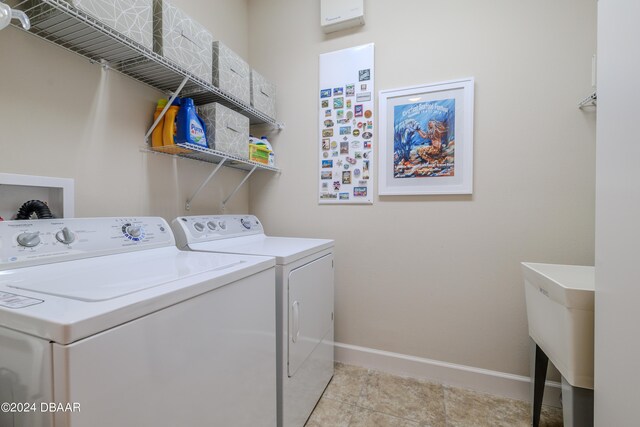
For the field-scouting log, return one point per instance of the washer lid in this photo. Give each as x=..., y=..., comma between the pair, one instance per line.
x=105, y=278
x=285, y=249
x=67, y=301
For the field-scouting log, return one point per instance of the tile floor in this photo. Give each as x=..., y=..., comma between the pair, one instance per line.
x=358, y=397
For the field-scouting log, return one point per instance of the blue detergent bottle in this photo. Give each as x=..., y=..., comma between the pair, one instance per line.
x=191, y=128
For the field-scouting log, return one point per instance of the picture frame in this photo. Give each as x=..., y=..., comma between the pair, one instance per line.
x=426, y=139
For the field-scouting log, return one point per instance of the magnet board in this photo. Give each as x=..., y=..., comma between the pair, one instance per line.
x=346, y=126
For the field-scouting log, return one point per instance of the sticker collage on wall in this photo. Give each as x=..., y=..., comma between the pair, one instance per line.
x=346, y=118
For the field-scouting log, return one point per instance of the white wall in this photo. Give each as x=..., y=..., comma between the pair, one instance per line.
x=439, y=277
x=62, y=116
x=617, y=355
x=433, y=277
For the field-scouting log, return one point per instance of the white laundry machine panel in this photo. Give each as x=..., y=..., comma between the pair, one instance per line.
x=305, y=294
x=305, y=302
x=309, y=302
x=107, y=314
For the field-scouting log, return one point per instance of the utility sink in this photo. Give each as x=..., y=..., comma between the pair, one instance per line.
x=560, y=300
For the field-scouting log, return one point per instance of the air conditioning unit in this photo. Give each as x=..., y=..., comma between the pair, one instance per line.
x=336, y=15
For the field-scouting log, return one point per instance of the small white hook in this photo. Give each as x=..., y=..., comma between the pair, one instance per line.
x=22, y=17
x=7, y=14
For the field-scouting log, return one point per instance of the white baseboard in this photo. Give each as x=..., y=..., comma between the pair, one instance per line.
x=483, y=380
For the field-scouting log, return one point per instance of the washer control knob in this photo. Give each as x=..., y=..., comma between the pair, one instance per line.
x=65, y=236
x=222, y=225
x=29, y=240
x=246, y=223
x=134, y=230
x=212, y=225
x=199, y=227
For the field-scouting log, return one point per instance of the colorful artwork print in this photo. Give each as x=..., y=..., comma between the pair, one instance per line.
x=345, y=130
x=325, y=93
x=344, y=196
x=424, y=139
x=327, y=164
x=358, y=111
x=325, y=103
x=338, y=91
x=326, y=175
x=327, y=133
x=346, y=177
x=338, y=103
x=325, y=144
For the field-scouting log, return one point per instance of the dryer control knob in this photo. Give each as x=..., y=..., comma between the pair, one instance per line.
x=65, y=236
x=222, y=225
x=134, y=231
x=29, y=240
x=199, y=227
x=246, y=223
x=212, y=225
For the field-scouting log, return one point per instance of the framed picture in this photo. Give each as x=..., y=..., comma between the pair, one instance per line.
x=426, y=139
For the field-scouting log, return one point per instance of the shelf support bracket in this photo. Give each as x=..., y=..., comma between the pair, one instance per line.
x=224, y=203
x=166, y=107
x=204, y=183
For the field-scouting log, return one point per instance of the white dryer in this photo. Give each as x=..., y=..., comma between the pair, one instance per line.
x=104, y=322
x=305, y=289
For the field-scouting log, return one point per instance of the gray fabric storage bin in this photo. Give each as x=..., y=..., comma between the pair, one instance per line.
x=231, y=73
x=179, y=38
x=132, y=18
x=227, y=130
x=263, y=94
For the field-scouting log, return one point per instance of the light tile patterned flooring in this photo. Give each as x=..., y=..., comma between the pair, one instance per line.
x=358, y=397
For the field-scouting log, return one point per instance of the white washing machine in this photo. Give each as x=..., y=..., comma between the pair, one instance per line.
x=304, y=286
x=104, y=322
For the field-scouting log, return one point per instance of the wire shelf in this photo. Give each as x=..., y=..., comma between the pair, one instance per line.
x=57, y=22
x=195, y=152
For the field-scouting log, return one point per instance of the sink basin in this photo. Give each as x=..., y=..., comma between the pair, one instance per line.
x=560, y=300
